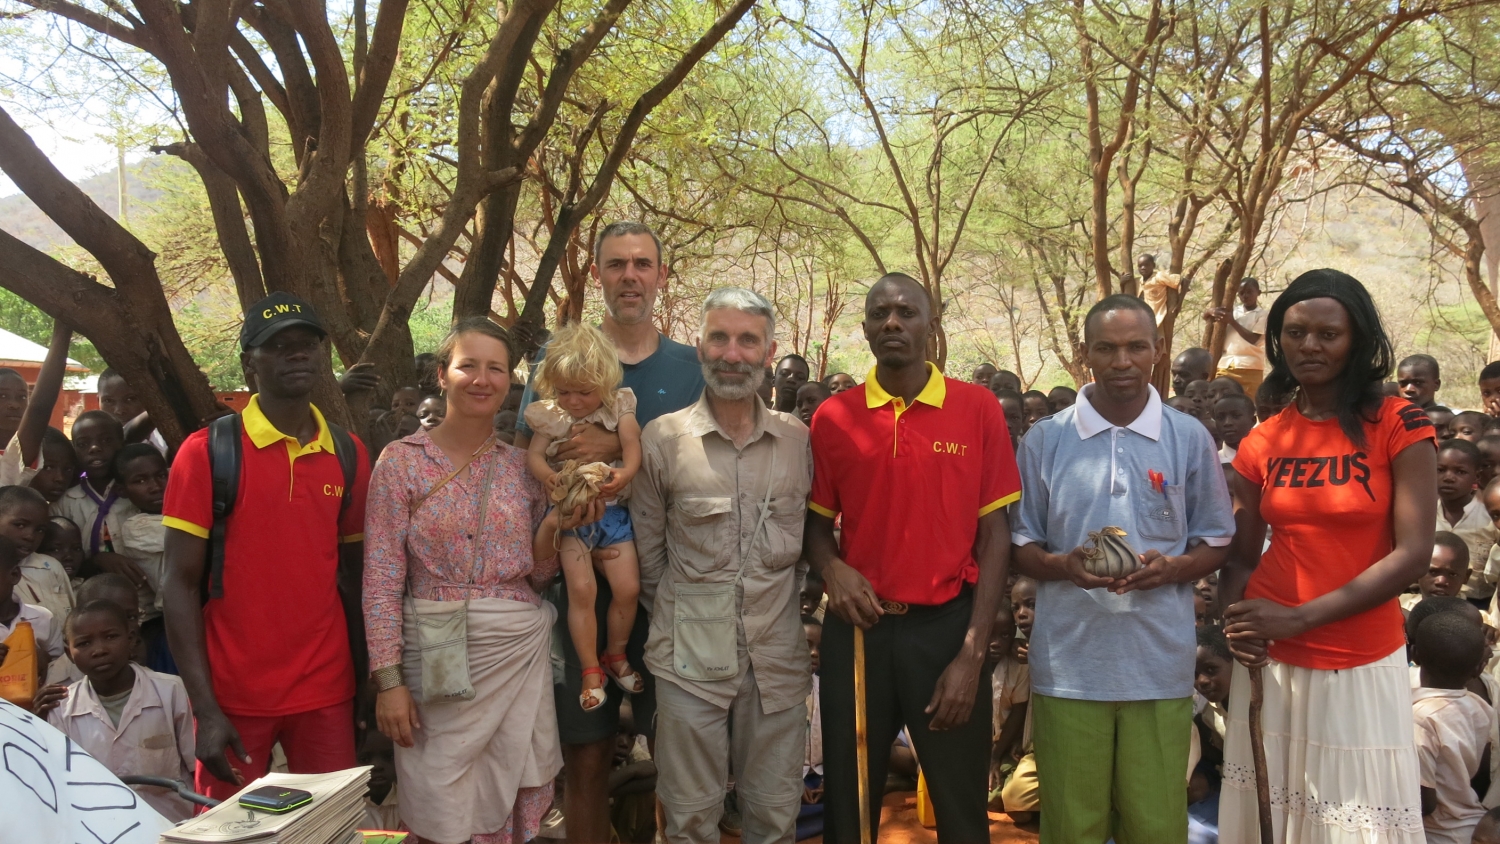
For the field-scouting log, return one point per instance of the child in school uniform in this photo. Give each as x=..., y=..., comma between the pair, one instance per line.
x=1234, y=416
x=142, y=475
x=109, y=586
x=1021, y=793
x=1469, y=425
x=96, y=504
x=62, y=542
x=1010, y=689
x=1489, y=457
x=810, y=814
x=46, y=630
x=59, y=469
x=1452, y=725
x=810, y=397
x=1214, y=666
x=135, y=721
x=44, y=581
x=1462, y=512
x=1447, y=572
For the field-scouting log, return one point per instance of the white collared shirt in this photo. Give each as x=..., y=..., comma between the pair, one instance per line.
x=153, y=739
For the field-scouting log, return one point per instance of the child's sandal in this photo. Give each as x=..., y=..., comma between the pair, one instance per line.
x=632, y=682
x=591, y=699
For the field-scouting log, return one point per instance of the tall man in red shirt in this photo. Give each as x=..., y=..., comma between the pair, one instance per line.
x=272, y=658
x=921, y=469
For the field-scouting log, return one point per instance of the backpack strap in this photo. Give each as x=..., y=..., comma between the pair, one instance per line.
x=348, y=455
x=225, y=456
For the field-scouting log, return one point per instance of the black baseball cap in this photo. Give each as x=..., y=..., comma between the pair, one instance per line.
x=272, y=314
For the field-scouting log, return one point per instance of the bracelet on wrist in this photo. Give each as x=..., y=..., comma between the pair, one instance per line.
x=389, y=677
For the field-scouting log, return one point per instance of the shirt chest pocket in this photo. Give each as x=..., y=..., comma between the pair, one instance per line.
x=158, y=756
x=780, y=541
x=1161, y=516
x=700, y=526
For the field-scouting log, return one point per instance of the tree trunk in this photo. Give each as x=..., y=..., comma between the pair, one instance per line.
x=131, y=323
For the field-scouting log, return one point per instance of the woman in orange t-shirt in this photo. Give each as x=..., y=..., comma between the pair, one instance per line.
x=1347, y=481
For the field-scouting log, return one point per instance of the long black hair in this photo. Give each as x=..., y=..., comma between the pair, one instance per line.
x=1370, y=357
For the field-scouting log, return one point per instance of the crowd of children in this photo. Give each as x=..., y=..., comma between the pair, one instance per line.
x=1452, y=618
x=81, y=570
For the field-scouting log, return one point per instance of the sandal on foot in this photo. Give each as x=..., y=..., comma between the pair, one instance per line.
x=632, y=682
x=591, y=699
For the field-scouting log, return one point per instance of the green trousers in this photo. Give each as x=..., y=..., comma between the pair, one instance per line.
x=1112, y=769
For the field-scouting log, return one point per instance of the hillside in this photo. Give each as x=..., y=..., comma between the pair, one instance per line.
x=20, y=217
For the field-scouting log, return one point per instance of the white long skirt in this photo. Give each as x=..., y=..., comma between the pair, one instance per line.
x=474, y=762
x=1340, y=751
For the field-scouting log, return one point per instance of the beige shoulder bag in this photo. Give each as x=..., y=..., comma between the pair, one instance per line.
x=442, y=627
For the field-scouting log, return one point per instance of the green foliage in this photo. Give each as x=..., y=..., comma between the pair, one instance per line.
x=24, y=319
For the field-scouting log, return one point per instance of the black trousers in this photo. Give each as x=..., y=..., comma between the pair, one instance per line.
x=904, y=657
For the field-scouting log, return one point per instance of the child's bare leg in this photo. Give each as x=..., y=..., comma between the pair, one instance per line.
x=624, y=576
x=578, y=577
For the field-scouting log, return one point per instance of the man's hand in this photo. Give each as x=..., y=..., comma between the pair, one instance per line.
x=1070, y=565
x=1216, y=314
x=957, y=688
x=850, y=596
x=1156, y=570
x=216, y=736
x=359, y=378
x=47, y=698
x=589, y=443
x=122, y=565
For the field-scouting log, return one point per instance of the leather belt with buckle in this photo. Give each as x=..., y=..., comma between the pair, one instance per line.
x=894, y=607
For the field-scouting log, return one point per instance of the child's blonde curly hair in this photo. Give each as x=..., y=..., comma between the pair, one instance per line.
x=579, y=355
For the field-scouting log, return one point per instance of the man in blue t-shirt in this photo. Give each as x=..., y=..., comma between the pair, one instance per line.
x=666, y=377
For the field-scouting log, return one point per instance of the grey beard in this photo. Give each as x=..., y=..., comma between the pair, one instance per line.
x=727, y=391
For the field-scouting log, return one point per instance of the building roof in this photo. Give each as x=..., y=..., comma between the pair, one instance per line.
x=15, y=349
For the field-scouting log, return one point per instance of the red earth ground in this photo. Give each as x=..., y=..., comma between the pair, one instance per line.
x=898, y=825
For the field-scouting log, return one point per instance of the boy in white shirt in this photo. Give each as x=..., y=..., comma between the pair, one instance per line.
x=96, y=503
x=1020, y=794
x=13, y=611
x=135, y=721
x=1462, y=512
x=44, y=581
x=141, y=475
x=1452, y=725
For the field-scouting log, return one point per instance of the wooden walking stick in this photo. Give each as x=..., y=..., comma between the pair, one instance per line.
x=1257, y=753
x=861, y=742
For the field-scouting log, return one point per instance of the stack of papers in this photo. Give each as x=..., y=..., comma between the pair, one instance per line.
x=337, y=807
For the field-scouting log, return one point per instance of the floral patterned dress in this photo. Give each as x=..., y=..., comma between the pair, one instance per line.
x=434, y=551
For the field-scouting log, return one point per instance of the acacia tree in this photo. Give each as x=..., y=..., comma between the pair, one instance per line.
x=1304, y=55
x=939, y=99
x=1422, y=128
x=234, y=68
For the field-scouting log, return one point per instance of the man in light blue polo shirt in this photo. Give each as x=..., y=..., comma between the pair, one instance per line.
x=1112, y=660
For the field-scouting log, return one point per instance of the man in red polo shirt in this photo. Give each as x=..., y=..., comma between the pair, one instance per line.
x=271, y=659
x=921, y=469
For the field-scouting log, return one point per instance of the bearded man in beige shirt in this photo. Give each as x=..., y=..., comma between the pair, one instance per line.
x=718, y=510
